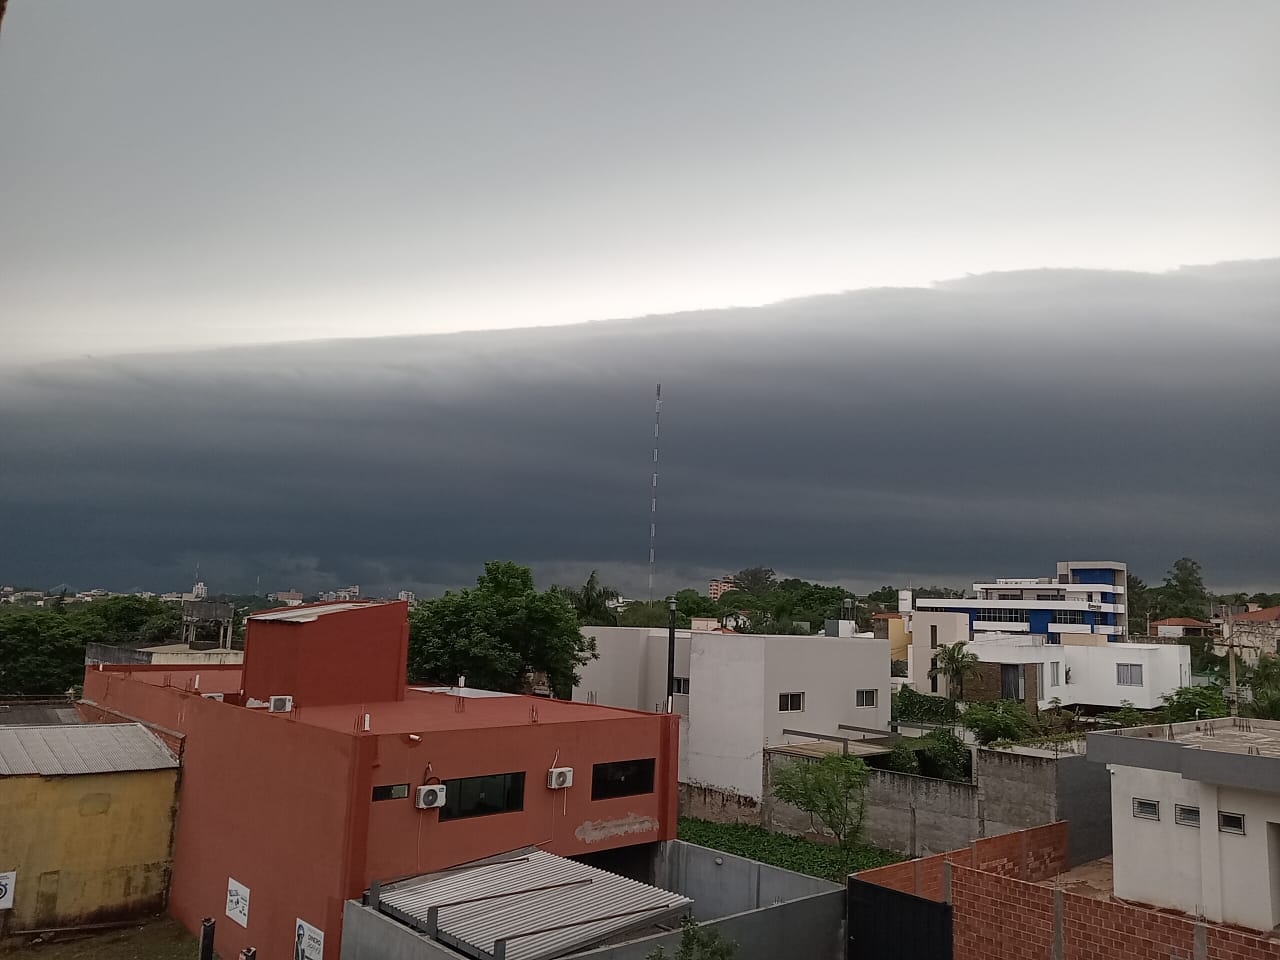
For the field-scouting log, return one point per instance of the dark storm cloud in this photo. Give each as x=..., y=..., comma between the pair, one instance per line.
x=986, y=426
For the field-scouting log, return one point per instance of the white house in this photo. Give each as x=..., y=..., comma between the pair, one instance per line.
x=1195, y=813
x=738, y=693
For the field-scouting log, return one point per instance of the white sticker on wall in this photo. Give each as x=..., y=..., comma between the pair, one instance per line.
x=308, y=941
x=7, y=883
x=237, y=901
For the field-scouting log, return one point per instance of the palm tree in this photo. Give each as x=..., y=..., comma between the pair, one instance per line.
x=591, y=601
x=955, y=663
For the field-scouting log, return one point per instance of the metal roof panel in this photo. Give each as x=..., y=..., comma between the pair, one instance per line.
x=67, y=750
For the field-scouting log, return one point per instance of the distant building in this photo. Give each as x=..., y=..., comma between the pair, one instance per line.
x=1085, y=597
x=290, y=598
x=1180, y=627
x=718, y=588
x=1251, y=634
x=408, y=596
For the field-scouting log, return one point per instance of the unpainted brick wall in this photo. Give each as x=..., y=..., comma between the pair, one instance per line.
x=93, y=713
x=719, y=806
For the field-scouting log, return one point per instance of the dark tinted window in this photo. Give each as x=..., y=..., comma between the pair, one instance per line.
x=481, y=796
x=392, y=791
x=626, y=778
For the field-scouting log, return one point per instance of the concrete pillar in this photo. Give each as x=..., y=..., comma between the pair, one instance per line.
x=1057, y=949
x=1210, y=854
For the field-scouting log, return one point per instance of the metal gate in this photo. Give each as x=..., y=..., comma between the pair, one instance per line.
x=884, y=923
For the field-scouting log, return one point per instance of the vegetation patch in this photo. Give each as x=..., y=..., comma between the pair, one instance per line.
x=825, y=860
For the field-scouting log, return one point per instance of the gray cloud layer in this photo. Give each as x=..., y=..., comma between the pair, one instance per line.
x=988, y=426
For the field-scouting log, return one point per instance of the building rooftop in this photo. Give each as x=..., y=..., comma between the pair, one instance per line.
x=85, y=748
x=1265, y=615
x=308, y=612
x=37, y=712
x=526, y=905
x=1180, y=622
x=1233, y=751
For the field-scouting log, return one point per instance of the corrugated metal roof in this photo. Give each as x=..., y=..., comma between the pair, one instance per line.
x=528, y=905
x=307, y=614
x=85, y=748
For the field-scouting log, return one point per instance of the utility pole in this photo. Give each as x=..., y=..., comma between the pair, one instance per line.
x=671, y=654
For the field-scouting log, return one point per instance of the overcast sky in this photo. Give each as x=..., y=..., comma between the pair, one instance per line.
x=859, y=438
x=182, y=174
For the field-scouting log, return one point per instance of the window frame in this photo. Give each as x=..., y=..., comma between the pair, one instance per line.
x=1223, y=828
x=1179, y=815
x=1130, y=667
x=678, y=683
x=784, y=698
x=647, y=777
x=453, y=790
x=859, y=697
x=1146, y=816
x=1055, y=673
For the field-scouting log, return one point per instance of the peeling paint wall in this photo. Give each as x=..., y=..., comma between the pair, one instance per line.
x=87, y=848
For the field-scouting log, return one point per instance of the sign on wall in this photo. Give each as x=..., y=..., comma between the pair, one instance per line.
x=237, y=901
x=308, y=942
x=7, y=882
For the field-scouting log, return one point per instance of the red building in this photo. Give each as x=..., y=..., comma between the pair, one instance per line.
x=300, y=805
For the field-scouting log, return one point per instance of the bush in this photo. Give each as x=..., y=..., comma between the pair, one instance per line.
x=999, y=720
x=902, y=758
x=912, y=707
x=824, y=860
x=944, y=756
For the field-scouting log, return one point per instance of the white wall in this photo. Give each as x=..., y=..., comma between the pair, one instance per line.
x=1230, y=878
x=726, y=713
x=1165, y=667
x=952, y=628
x=828, y=671
x=631, y=670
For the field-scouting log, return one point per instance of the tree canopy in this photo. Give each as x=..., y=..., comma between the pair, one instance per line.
x=498, y=633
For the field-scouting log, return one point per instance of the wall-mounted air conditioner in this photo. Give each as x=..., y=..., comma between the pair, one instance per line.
x=429, y=797
x=280, y=704
x=559, y=778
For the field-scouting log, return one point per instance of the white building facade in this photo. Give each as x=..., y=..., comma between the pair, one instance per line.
x=738, y=693
x=1196, y=817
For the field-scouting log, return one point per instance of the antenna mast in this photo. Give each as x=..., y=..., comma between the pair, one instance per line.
x=653, y=490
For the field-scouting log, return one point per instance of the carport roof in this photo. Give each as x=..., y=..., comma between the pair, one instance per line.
x=525, y=905
x=84, y=748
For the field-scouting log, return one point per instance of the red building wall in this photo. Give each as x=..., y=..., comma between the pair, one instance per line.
x=284, y=806
x=353, y=656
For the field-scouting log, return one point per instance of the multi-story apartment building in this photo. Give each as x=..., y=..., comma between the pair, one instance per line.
x=719, y=587
x=1085, y=597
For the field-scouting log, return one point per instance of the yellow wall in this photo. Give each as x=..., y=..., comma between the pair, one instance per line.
x=87, y=848
x=899, y=637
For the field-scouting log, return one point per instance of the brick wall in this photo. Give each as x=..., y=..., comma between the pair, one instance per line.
x=1001, y=912
x=708, y=803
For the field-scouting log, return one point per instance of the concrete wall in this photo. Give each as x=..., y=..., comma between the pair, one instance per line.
x=727, y=705
x=1013, y=790
x=368, y=935
x=951, y=628
x=88, y=848
x=722, y=884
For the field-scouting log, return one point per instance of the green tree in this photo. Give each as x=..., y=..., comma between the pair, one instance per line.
x=691, y=603
x=956, y=663
x=1130, y=716
x=1183, y=593
x=591, y=601
x=655, y=614
x=999, y=720
x=1138, y=601
x=497, y=633
x=41, y=653
x=944, y=756
x=756, y=581
x=698, y=943
x=832, y=791
x=1193, y=703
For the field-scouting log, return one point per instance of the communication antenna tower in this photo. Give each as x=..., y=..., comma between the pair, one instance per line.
x=653, y=489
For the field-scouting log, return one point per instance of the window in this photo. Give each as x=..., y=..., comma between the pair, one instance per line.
x=1230, y=822
x=392, y=791
x=1068, y=616
x=1129, y=674
x=790, y=702
x=1008, y=596
x=1187, y=816
x=1146, y=809
x=626, y=778
x=482, y=796
x=865, y=698
x=933, y=676
x=1054, y=673
x=933, y=636
x=1001, y=616
x=680, y=685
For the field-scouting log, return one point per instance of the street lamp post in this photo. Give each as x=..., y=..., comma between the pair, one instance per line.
x=671, y=654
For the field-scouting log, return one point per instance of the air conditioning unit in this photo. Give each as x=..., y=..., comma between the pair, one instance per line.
x=559, y=778
x=429, y=797
x=212, y=696
x=280, y=705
